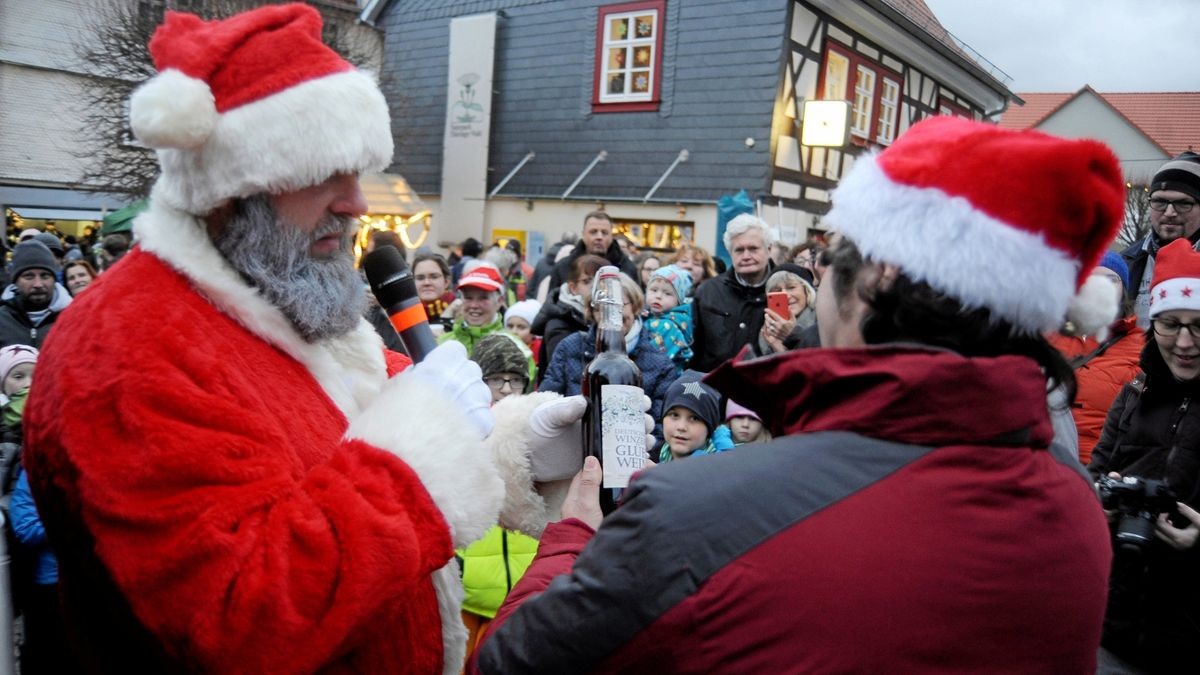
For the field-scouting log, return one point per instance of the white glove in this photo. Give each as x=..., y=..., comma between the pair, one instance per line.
x=556, y=446
x=448, y=370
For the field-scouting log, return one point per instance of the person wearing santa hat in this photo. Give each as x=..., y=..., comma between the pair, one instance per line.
x=1152, y=432
x=911, y=513
x=247, y=481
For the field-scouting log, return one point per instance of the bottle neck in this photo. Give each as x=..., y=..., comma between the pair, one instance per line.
x=607, y=303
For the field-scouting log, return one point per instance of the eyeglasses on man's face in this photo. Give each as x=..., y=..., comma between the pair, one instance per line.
x=497, y=382
x=1171, y=328
x=1181, y=205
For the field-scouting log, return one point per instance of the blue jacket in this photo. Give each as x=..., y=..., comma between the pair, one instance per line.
x=672, y=332
x=27, y=527
x=565, y=372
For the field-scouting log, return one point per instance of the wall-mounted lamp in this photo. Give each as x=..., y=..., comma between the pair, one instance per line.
x=826, y=124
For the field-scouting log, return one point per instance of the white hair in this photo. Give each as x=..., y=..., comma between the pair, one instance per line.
x=743, y=224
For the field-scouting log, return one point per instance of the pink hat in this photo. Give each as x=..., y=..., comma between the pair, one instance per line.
x=254, y=103
x=1011, y=221
x=484, y=276
x=13, y=356
x=733, y=409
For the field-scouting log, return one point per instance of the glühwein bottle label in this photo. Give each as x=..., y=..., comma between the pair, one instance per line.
x=624, y=429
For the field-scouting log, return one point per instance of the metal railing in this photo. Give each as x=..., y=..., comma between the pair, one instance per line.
x=938, y=32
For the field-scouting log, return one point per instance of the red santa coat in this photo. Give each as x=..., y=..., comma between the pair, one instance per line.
x=226, y=497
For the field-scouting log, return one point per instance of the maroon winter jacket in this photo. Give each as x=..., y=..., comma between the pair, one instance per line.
x=909, y=519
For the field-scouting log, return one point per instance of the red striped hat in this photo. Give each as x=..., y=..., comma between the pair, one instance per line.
x=1011, y=221
x=254, y=103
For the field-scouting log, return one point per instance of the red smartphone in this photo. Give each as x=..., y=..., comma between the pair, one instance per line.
x=778, y=302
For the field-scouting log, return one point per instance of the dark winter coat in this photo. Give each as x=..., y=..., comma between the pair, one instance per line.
x=17, y=329
x=892, y=529
x=1153, y=431
x=728, y=316
x=564, y=374
x=562, y=269
x=554, y=321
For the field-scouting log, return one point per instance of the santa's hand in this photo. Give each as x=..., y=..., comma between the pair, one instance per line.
x=556, y=445
x=448, y=370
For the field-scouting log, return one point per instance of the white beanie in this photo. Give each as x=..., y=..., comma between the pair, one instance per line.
x=525, y=309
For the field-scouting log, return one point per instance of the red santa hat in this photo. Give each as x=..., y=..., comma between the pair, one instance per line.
x=254, y=103
x=1176, y=282
x=1011, y=221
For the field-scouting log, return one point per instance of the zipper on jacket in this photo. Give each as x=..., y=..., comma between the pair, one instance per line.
x=33, y=333
x=504, y=551
x=1183, y=406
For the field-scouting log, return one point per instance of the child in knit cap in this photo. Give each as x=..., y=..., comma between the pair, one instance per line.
x=504, y=365
x=16, y=375
x=519, y=321
x=669, y=313
x=744, y=424
x=692, y=413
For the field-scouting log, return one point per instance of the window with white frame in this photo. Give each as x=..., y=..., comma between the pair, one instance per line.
x=629, y=46
x=864, y=98
x=873, y=90
x=889, y=108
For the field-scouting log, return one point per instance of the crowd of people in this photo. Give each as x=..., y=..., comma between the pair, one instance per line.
x=953, y=434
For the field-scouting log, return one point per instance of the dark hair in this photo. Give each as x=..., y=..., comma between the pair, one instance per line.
x=585, y=266
x=441, y=263
x=913, y=311
x=389, y=238
x=597, y=214
x=471, y=248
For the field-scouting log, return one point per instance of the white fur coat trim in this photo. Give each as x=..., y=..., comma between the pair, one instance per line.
x=433, y=436
x=290, y=140
x=349, y=368
x=959, y=250
x=524, y=509
x=447, y=581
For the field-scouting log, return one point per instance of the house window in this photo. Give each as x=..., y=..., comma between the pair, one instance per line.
x=889, y=107
x=864, y=98
x=872, y=89
x=629, y=39
x=950, y=108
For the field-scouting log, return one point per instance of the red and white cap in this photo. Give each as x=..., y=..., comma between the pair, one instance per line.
x=254, y=103
x=1011, y=221
x=1176, y=283
x=485, y=276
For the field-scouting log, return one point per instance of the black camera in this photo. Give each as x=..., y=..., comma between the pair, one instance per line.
x=1137, y=501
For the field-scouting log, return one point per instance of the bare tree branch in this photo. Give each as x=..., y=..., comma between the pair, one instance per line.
x=1137, y=214
x=118, y=58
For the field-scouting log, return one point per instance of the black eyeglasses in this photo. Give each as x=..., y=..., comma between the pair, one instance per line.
x=1181, y=205
x=1169, y=328
x=497, y=382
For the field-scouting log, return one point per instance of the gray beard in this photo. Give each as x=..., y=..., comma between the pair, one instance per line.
x=322, y=297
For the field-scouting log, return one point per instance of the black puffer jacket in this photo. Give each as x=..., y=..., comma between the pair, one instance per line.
x=1153, y=431
x=555, y=321
x=728, y=316
x=17, y=329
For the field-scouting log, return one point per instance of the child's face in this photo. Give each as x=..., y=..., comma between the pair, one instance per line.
x=18, y=379
x=660, y=295
x=519, y=327
x=684, y=431
x=745, y=429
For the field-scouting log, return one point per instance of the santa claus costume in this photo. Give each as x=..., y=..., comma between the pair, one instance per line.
x=225, y=496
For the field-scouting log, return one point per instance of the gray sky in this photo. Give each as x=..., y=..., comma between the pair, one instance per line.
x=1061, y=45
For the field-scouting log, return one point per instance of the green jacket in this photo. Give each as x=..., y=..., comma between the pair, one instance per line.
x=492, y=566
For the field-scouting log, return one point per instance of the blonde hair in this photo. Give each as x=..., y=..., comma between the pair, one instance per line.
x=629, y=288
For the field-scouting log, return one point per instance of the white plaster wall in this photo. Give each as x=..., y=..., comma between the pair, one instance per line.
x=1089, y=117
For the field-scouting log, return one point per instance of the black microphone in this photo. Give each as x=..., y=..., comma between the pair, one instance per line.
x=396, y=291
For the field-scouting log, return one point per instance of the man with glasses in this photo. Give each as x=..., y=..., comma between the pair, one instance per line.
x=1174, y=192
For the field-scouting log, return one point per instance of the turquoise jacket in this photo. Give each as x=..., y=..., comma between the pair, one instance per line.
x=672, y=333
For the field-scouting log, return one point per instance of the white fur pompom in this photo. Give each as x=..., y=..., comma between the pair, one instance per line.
x=1095, y=307
x=172, y=110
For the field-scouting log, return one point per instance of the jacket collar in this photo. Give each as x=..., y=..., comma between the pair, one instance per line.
x=907, y=394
